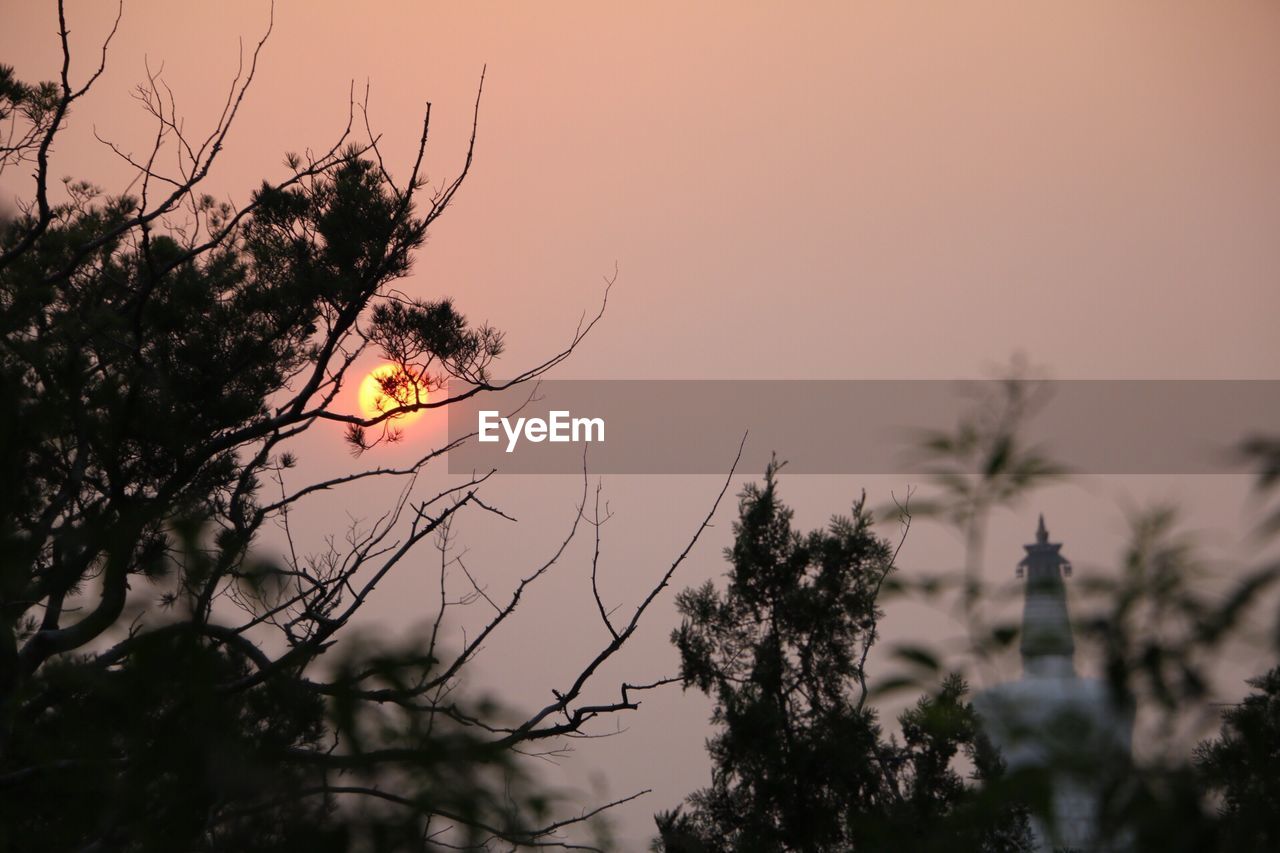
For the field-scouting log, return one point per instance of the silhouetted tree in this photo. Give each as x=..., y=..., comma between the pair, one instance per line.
x=161, y=688
x=1242, y=766
x=799, y=760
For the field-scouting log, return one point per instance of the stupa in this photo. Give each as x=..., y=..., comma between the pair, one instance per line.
x=1053, y=720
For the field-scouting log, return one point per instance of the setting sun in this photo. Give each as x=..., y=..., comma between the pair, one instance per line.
x=387, y=387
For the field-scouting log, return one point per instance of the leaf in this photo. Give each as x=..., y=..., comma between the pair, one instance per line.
x=917, y=655
x=895, y=684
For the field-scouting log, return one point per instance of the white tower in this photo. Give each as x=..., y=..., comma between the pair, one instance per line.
x=1051, y=718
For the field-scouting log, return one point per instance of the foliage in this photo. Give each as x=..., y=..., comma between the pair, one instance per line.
x=160, y=353
x=799, y=759
x=1157, y=628
x=1242, y=765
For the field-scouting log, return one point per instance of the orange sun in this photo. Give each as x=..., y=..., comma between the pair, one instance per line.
x=389, y=386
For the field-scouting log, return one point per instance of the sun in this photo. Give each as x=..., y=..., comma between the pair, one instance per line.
x=387, y=387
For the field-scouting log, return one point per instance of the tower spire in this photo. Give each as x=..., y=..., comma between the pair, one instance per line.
x=1054, y=722
x=1048, y=647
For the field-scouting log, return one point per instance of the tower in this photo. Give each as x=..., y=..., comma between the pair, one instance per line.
x=1048, y=647
x=1052, y=720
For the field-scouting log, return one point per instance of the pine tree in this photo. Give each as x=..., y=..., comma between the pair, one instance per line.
x=1242, y=766
x=163, y=686
x=799, y=758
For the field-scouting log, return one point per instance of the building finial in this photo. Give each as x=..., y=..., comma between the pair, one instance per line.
x=1042, y=532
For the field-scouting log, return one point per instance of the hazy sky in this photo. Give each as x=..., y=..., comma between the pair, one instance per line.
x=819, y=190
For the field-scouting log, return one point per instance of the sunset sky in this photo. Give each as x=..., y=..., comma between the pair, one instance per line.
x=787, y=191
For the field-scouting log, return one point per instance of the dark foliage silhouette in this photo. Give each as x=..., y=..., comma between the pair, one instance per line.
x=1242, y=766
x=799, y=760
x=162, y=687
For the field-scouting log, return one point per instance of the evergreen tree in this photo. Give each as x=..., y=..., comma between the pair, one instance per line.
x=1242, y=766
x=799, y=759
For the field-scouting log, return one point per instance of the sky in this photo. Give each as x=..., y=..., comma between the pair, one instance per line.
x=787, y=191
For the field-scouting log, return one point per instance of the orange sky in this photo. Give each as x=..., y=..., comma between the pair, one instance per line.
x=818, y=190
x=932, y=186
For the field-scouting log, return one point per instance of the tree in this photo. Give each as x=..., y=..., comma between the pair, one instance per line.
x=1242, y=766
x=160, y=352
x=799, y=759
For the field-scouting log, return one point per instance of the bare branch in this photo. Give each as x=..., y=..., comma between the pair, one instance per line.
x=529, y=729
